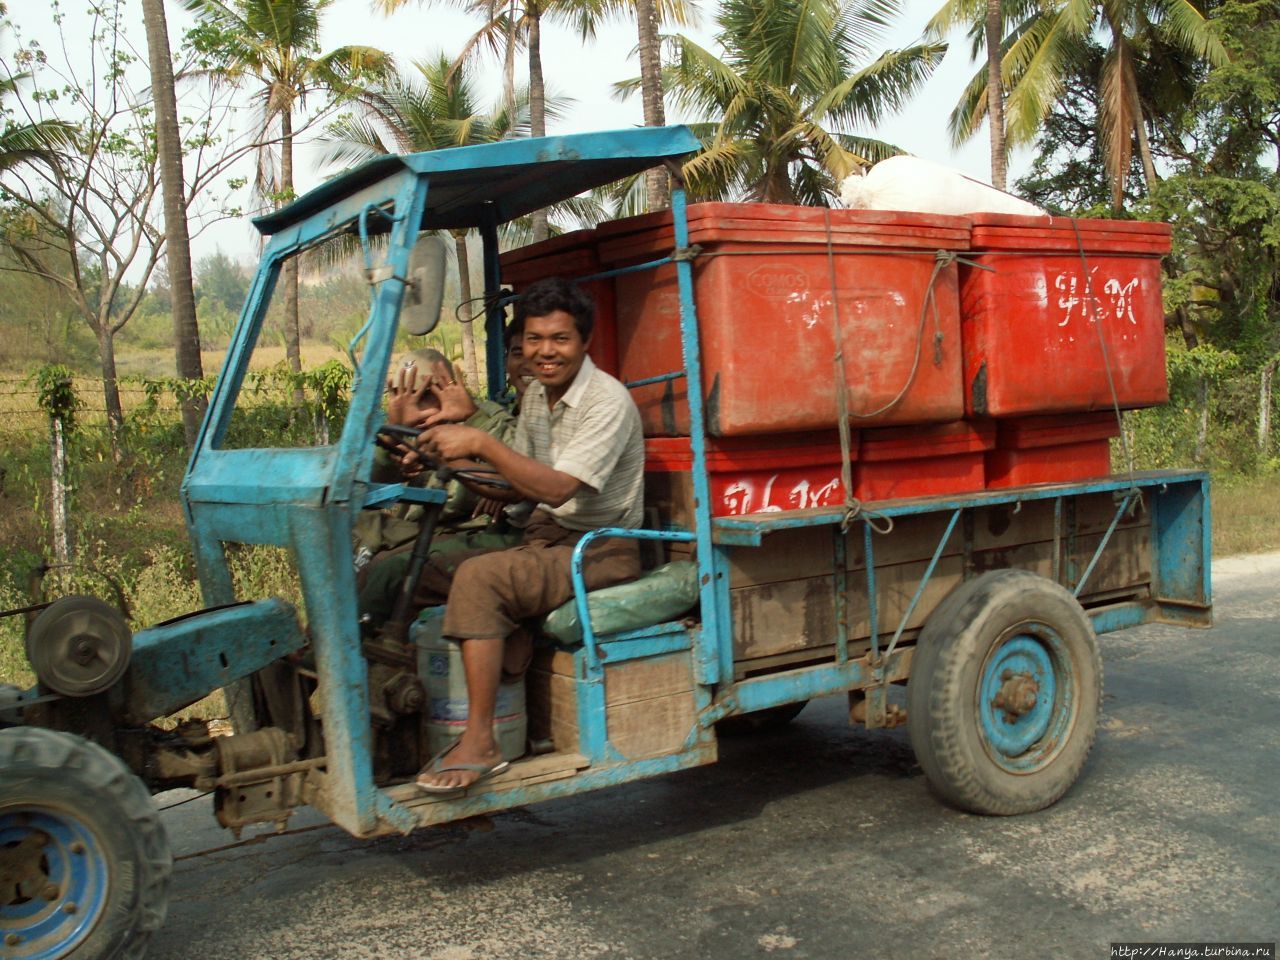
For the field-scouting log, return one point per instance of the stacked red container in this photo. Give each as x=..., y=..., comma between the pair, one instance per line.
x=1054, y=449
x=1052, y=319
x=923, y=461
x=764, y=276
x=794, y=472
x=1056, y=305
x=571, y=256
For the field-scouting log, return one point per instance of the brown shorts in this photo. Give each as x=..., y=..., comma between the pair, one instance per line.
x=492, y=592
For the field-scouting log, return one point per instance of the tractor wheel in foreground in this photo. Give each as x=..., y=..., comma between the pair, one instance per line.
x=760, y=721
x=84, y=861
x=1004, y=693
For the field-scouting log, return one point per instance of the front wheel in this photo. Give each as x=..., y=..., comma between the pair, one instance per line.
x=1004, y=694
x=84, y=861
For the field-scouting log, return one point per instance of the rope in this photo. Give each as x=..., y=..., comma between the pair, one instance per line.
x=941, y=260
x=852, y=505
x=1098, y=317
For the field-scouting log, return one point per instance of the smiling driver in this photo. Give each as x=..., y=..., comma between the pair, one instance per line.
x=578, y=452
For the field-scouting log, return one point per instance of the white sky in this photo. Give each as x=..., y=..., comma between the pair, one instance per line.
x=584, y=72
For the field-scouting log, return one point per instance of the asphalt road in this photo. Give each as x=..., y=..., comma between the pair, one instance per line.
x=821, y=841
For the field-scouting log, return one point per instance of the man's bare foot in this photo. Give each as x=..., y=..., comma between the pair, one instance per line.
x=461, y=766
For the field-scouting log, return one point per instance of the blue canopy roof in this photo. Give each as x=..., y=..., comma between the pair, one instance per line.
x=513, y=177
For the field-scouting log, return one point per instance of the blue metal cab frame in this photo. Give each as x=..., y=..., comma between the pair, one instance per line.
x=306, y=500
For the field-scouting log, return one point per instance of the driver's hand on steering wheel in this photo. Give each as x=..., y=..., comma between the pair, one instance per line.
x=452, y=441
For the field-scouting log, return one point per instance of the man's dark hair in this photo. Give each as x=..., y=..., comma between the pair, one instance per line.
x=554, y=293
x=515, y=331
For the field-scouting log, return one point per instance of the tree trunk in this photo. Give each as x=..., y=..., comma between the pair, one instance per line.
x=1202, y=424
x=995, y=94
x=1264, y=408
x=537, y=105
x=58, y=491
x=467, y=312
x=292, y=336
x=656, y=187
x=1149, y=174
x=110, y=386
x=186, y=331
x=509, y=65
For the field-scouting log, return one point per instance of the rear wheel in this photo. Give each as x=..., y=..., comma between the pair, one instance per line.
x=1004, y=693
x=84, y=861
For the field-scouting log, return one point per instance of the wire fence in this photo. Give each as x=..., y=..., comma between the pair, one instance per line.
x=20, y=409
x=323, y=392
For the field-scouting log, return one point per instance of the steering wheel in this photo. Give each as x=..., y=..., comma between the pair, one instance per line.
x=444, y=473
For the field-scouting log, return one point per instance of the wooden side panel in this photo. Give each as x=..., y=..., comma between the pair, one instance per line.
x=791, y=616
x=649, y=704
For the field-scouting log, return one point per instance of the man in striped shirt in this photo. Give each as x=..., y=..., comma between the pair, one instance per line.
x=578, y=453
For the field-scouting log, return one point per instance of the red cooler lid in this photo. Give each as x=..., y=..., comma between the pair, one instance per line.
x=1002, y=231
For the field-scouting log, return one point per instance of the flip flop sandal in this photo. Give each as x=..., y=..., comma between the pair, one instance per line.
x=434, y=766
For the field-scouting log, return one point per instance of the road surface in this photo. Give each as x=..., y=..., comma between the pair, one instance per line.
x=821, y=841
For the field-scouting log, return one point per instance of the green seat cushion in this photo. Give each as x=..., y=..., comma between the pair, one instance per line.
x=660, y=595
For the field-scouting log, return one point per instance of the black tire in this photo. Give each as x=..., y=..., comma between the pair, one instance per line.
x=760, y=721
x=98, y=880
x=1004, y=694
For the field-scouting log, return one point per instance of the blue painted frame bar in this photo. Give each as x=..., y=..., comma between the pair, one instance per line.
x=661, y=378
x=594, y=670
x=713, y=656
x=1102, y=544
x=750, y=529
x=924, y=581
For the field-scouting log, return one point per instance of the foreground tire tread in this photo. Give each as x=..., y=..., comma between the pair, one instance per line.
x=111, y=795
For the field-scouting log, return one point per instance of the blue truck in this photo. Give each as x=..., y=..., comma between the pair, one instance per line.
x=986, y=607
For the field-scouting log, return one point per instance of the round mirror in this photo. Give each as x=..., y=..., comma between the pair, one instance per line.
x=424, y=294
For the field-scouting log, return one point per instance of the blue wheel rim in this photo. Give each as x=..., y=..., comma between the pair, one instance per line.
x=73, y=860
x=1030, y=660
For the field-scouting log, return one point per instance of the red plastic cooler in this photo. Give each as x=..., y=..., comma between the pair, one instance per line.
x=1031, y=320
x=763, y=286
x=756, y=474
x=571, y=256
x=923, y=461
x=1052, y=449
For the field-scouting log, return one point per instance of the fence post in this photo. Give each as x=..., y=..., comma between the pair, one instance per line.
x=56, y=395
x=1264, y=407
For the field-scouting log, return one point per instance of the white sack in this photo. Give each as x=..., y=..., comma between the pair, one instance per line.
x=909, y=183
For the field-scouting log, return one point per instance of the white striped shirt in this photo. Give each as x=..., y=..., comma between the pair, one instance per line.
x=593, y=434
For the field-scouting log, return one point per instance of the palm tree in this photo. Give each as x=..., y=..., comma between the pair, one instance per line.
x=1043, y=49
x=186, y=331
x=431, y=111
x=986, y=19
x=275, y=45
x=782, y=103
x=508, y=26
x=29, y=141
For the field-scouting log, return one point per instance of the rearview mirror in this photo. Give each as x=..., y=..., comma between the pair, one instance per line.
x=424, y=292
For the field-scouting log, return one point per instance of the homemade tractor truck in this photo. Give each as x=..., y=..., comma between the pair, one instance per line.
x=887, y=514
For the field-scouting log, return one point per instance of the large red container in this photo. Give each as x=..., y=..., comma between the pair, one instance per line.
x=923, y=461
x=571, y=256
x=764, y=291
x=756, y=474
x=1052, y=449
x=1052, y=291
